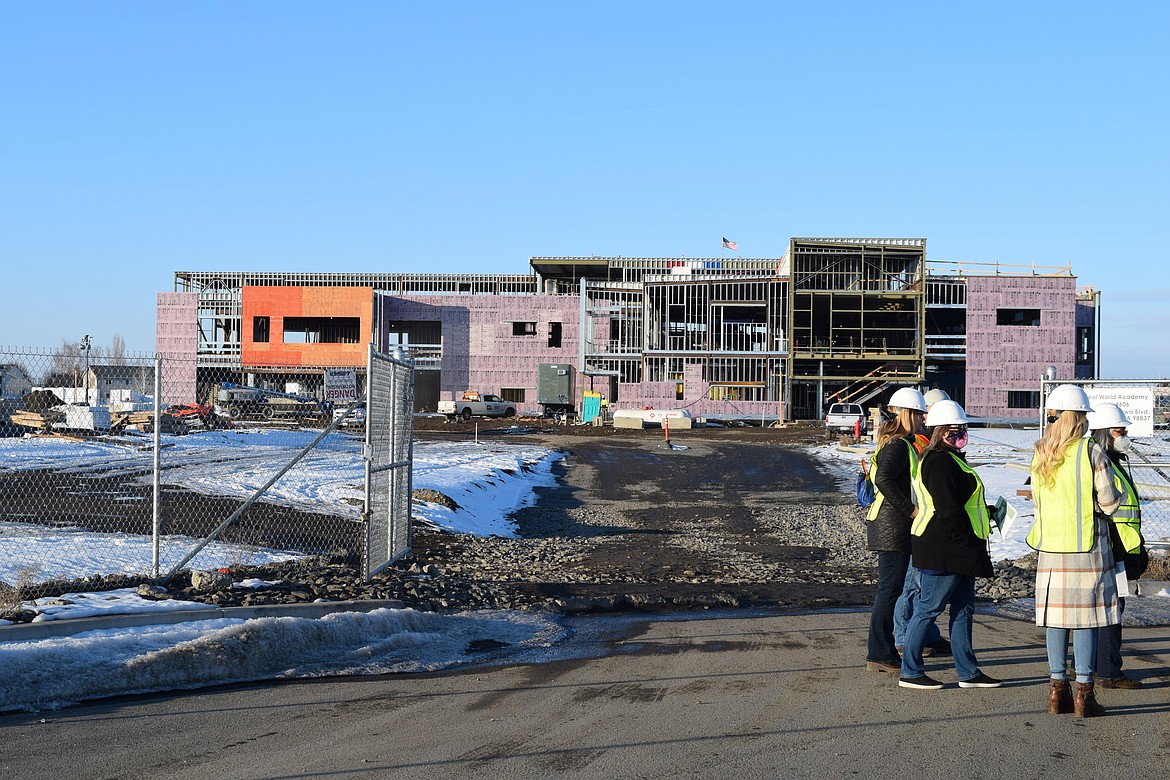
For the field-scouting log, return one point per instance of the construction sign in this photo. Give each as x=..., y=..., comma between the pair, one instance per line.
x=340, y=385
x=1136, y=402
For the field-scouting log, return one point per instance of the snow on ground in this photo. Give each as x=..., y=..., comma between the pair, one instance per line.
x=56, y=672
x=488, y=481
x=73, y=553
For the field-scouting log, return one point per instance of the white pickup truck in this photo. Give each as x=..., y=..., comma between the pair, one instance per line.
x=845, y=418
x=474, y=404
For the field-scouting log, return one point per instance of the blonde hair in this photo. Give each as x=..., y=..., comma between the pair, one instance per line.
x=1069, y=427
x=901, y=425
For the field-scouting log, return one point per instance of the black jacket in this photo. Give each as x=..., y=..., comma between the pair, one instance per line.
x=1135, y=563
x=890, y=530
x=949, y=542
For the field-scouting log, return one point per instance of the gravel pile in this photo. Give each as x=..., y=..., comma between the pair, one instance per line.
x=564, y=575
x=567, y=575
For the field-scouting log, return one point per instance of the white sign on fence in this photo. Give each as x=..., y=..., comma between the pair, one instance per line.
x=340, y=385
x=1136, y=402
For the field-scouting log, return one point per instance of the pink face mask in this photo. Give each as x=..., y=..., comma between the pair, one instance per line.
x=957, y=439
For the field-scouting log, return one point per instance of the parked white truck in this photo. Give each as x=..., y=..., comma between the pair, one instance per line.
x=474, y=404
x=845, y=418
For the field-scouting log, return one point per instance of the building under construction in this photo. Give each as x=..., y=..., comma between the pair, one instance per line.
x=768, y=338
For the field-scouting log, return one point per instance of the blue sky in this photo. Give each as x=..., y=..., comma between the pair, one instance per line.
x=143, y=138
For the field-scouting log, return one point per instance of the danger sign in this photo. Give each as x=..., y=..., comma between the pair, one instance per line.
x=340, y=385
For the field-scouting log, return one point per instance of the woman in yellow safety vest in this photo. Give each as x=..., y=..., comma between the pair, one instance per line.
x=949, y=541
x=888, y=529
x=1074, y=495
x=1109, y=426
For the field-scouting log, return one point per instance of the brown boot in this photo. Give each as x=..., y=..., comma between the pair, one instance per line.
x=1060, y=698
x=1085, y=703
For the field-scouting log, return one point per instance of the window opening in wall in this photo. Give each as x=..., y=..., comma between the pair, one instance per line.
x=1021, y=317
x=523, y=328
x=322, y=330
x=554, y=334
x=513, y=394
x=1023, y=399
x=260, y=327
x=1085, y=346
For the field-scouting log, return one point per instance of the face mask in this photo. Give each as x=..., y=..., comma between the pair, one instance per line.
x=956, y=439
x=1121, y=444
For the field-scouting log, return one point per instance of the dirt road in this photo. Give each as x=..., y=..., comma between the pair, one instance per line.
x=721, y=517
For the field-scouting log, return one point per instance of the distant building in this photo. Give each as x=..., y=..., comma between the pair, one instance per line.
x=106, y=379
x=833, y=319
x=14, y=381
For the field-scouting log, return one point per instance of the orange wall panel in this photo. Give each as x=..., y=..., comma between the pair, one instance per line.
x=277, y=303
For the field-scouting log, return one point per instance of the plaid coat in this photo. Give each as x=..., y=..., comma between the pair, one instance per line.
x=1078, y=590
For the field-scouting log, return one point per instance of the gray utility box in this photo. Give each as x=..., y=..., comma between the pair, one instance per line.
x=554, y=387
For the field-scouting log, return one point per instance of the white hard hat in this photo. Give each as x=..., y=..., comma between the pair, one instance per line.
x=1108, y=416
x=1071, y=398
x=908, y=398
x=936, y=395
x=945, y=413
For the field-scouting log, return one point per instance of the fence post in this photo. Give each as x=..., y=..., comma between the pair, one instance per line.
x=156, y=473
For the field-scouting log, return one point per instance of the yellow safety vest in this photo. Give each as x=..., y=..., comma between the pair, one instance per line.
x=975, y=507
x=1064, y=510
x=1128, y=517
x=914, y=449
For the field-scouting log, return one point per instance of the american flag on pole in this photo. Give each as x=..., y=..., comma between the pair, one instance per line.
x=734, y=247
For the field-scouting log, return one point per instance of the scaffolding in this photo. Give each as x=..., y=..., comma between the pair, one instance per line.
x=856, y=328
x=724, y=331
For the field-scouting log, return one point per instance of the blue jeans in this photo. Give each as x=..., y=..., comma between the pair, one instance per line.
x=1084, y=652
x=939, y=591
x=891, y=575
x=904, y=608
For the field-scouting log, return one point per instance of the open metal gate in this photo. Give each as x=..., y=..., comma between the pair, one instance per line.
x=388, y=455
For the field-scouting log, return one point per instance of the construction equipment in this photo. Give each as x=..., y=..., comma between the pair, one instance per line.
x=554, y=387
x=240, y=401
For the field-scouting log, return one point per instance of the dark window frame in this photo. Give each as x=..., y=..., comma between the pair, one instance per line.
x=1018, y=317
x=261, y=330
x=1023, y=399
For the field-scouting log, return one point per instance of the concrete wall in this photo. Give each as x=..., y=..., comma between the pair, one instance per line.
x=480, y=350
x=177, y=324
x=177, y=340
x=1013, y=357
x=663, y=395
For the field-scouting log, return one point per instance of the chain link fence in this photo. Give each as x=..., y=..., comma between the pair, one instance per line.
x=1147, y=403
x=138, y=465
x=389, y=444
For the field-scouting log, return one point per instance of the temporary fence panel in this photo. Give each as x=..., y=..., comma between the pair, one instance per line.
x=270, y=477
x=78, y=432
x=389, y=456
x=171, y=464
